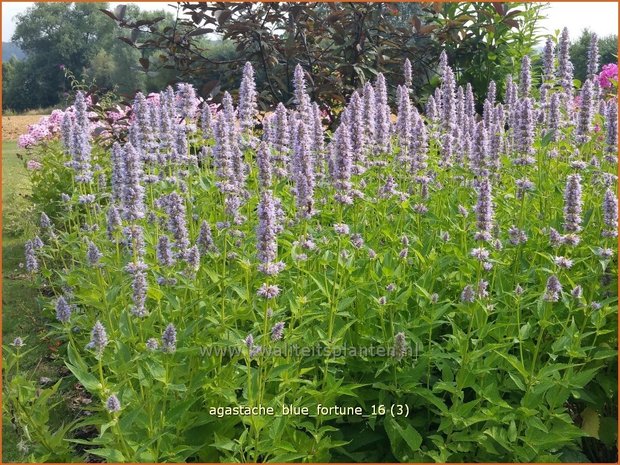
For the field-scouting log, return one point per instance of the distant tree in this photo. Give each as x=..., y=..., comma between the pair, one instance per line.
x=17, y=82
x=340, y=45
x=78, y=37
x=608, y=51
x=54, y=35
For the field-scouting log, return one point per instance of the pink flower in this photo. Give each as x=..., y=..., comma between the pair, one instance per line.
x=115, y=115
x=25, y=141
x=609, y=71
x=33, y=165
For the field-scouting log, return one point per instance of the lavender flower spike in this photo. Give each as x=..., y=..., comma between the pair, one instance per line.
x=247, y=98
x=263, y=161
x=611, y=139
x=169, y=339
x=586, y=113
x=400, y=346
x=572, y=204
x=164, y=251
x=277, y=331
x=302, y=100
x=32, y=264
x=205, y=238
x=382, y=131
x=63, y=310
x=132, y=192
x=610, y=214
x=177, y=222
x=113, y=405
x=303, y=171
x=484, y=211
x=45, y=221
x=407, y=73
x=565, y=67
x=525, y=82
x=593, y=57
x=98, y=338
x=552, y=293
x=266, y=232
x=93, y=255
x=192, y=258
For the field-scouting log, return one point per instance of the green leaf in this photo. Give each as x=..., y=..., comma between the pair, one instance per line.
x=86, y=379
x=404, y=440
x=591, y=422
x=112, y=455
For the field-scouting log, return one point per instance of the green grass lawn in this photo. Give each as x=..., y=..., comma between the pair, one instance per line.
x=20, y=309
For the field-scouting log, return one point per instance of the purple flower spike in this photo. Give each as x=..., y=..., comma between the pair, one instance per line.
x=277, y=331
x=552, y=293
x=484, y=211
x=113, y=405
x=572, y=204
x=63, y=310
x=169, y=339
x=247, y=98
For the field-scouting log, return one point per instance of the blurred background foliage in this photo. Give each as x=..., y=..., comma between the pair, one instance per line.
x=340, y=45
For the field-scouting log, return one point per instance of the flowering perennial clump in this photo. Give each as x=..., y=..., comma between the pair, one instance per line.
x=217, y=255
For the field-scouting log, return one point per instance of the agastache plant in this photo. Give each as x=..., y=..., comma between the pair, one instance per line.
x=216, y=235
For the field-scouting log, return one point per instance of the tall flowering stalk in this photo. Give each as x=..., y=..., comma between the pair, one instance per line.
x=610, y=214
x=407, y=73
x=266, y=235
x=572, y=204
x=484, y=211
x=357, y=127
x=403, y=122
x=553, y=117
x=318, y=135
x=281, y=138
x=132, y=191
x=479, y=151
x=32, y=263
x=382, y=140
x=302, y=99
x=525, y=81
x=342, y=164
x=247, y=98
x=81, y=149
x=565, y=66
x=370, y=115
x=303, y=172
x=586, y=113
x=524, y=135
x=448, y=101
x=263, y=163
x=593, y=57
x=186, y=100
x=548, y=71
x=177, y=221
x=611, y=138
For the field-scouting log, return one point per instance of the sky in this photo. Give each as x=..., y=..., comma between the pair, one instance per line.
x=599, y=17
